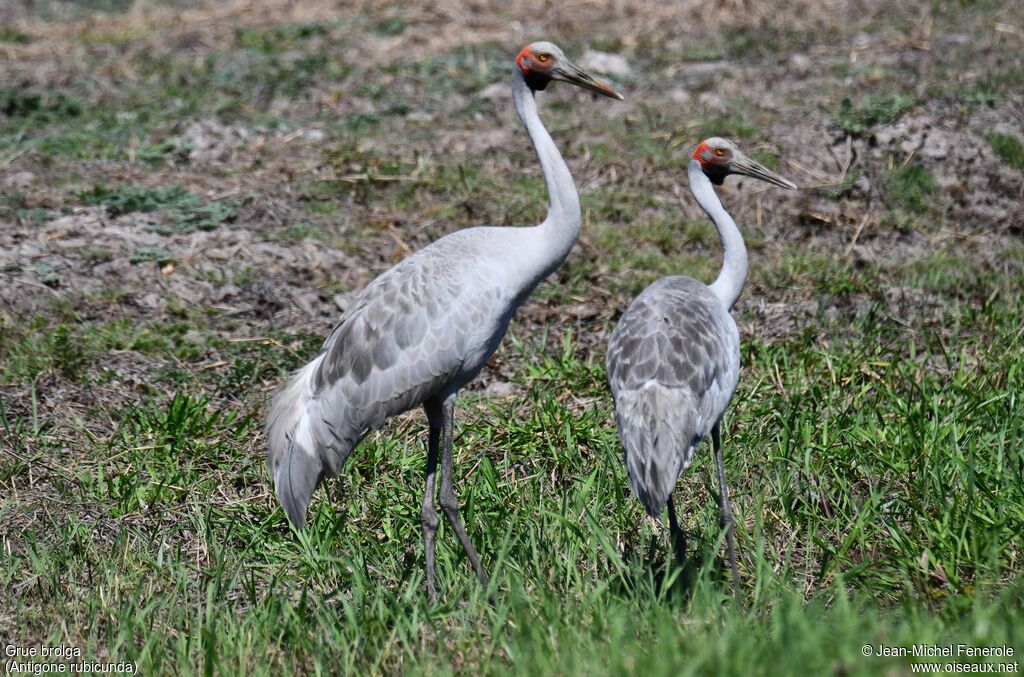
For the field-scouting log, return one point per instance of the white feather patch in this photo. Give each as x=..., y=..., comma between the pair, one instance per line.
x=304, y=436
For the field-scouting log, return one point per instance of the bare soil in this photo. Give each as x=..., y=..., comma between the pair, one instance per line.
x=781, y=69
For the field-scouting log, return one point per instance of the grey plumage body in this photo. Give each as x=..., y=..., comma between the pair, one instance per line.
x=673, y=363
x=423, y=329
x=673, y=359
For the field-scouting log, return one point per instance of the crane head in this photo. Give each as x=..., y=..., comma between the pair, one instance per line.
x=541, y=62
x=720, y=157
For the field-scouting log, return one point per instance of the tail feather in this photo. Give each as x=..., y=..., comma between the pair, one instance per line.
x=298, y=454
x=295, y=480
x=656, y=427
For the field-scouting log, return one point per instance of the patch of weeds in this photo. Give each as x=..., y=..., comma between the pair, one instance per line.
x=1003, y=80
x=391, y=26
x=744, y=40
x=13, y=201
x=247, y=276
x=22, y=101
x=898, y=220
x=615, y=206
x=11, y=204
x=967, y=97
x=95, y=254
x=62, y=348
x=105, y=6
x=160, y=339
x=389, y=103
x=128, y=199
x=203, y=217
x=823, y=273
x=80, y=143
x=280, y=38
x=233, y=83
x=47, y=274
x=662, y=232
x=259, y=77
x=157, y=255
x=175, y=150
x=361, y=175
x=101, y=133
x=981, y=97
x=465, y=70
x=334, y=287
x=1009, y=148
x=220, y=277
x=13, y=35
x=652, y=55
x=732, y=126
x=39, y=346
x=699, y=230
x=937, y=271
x=35, y=215
x=913, y=187
x=156, y=476
x=741, y=41
x=873, y=110
x=604, y=152
x=68, y=352
x=324, y=206
x=243, y=373
x=842, y=189
x=121, y=36
x=769, y=157
x=303, y=230
x=186, y=210
x=347, y=158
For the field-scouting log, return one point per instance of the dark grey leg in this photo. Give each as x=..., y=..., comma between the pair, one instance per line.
x=678, y=537
x=725, y=507
x=428, y=514
x=449, y=503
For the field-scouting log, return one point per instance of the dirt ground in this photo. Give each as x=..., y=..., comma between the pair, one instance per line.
x=316, y=203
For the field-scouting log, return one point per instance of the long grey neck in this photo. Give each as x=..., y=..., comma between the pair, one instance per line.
x=734, y=260
x=562, y=225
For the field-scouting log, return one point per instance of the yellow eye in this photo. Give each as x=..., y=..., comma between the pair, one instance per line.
x=719, y=152
x=543, y=57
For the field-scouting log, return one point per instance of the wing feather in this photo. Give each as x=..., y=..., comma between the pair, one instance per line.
x=424, y=326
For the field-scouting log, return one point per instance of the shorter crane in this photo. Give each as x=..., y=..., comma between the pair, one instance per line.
x=674, y=358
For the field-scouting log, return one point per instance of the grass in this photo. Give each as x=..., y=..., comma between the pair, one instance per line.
x=187, y=210
x=1009, y=148
x=874, y=110
x=881, y=474
x=281, y=38
x=730, y=126
x=15, y=36
x=912, y=187
x=873, y=448
x=24, y=101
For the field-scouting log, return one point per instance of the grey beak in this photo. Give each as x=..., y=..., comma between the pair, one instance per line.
x=566, y=71
x=744, y=165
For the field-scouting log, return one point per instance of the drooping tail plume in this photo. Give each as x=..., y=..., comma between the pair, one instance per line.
x=293, y=454
x=657, y=447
